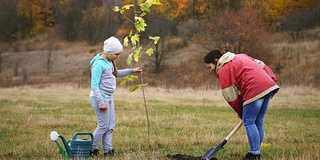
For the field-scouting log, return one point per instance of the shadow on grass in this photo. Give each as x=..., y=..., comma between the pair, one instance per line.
x=185, y=157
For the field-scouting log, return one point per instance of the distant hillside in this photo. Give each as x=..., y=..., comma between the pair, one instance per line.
x=27, y=63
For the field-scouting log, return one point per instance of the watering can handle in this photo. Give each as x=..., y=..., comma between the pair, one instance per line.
x=82, y=133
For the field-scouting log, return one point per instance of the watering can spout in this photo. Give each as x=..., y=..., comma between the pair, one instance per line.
x=54, y=136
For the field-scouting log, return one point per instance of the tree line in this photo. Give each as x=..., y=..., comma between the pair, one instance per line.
x=236, y=25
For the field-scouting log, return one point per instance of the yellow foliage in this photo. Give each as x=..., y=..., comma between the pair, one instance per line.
x=172, y=9
x=34, y=11
x=272, y=9
x=202, y=6
x=277, y=8
x=181, y=7
x=305, y=4
x=30, y=9
x=47, y=13
x=283, y=8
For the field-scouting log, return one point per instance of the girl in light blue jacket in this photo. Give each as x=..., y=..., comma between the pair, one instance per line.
x=103, y=85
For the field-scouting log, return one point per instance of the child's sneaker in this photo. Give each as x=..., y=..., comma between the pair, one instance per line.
x=110, y=153
x=94, y=153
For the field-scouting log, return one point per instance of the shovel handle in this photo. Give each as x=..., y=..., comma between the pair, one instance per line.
x=234, y=130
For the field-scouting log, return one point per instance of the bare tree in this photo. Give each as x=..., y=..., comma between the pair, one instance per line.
x=49, y=58
x=16, y=68
x=159, y=56
x=162, y=28
x=25, y=75
x=1, y=57
x=296, y=24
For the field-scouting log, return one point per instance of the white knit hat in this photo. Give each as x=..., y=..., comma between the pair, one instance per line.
x=112, y=46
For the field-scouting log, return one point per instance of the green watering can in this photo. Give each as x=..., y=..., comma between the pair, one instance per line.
x=74, y=147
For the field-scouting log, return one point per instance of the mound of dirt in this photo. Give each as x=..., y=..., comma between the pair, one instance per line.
x=185, y=157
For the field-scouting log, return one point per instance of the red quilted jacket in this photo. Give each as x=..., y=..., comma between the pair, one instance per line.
x=244, y=80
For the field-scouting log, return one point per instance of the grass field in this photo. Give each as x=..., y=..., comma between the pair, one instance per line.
x=186, y=122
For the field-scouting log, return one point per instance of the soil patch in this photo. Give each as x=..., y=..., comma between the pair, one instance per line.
x=186, y=157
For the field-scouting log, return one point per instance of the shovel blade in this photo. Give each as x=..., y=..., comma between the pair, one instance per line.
x=212, y=151
x=209, y=154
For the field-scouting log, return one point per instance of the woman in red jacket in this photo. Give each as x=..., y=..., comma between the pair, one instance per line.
x=247, y=85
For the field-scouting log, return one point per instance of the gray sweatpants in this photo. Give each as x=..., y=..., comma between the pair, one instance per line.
x=106, y=123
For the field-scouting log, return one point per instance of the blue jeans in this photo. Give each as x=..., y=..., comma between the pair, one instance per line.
x=253, y=119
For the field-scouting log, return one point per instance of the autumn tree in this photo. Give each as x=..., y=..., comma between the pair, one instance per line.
x=69, y=13
x=23, y=18
x=284, y=8
x=93, y=23
x=48, y=13
x=184, y=9
x=112, y=19
x=241, y=31
x=259, y=6
x=30, y=13
x=302, y=17
x=9, y=23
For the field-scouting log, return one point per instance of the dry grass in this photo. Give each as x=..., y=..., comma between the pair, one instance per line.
x=185, y=121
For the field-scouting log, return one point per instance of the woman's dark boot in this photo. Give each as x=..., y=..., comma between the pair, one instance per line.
x=251, y=156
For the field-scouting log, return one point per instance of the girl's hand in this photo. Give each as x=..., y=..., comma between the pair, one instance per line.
x=103, y=107
x=137, y=70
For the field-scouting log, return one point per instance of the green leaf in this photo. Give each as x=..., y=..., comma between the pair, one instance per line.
x=143, y=14
x=125, y=41
x=140, y=24
x=128, y=78
x=127, y=7
x=153, y=2
x=134, y=88
x=156, y=2
x=149, y=51
x=134, y=39
x=136, y=57
x=155, y=39
x=123, y=82
x=129, y=59
x=130, y=34
x=143, y=85
x=137, y=53
x=137, y=86
x=116, y=9
x=145, y=7
x=122, y=11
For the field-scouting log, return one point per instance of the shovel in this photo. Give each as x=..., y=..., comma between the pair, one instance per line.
x=213, y=150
